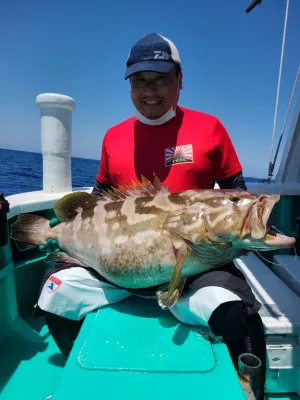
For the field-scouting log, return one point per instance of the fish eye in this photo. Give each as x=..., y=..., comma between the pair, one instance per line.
x=234, y=198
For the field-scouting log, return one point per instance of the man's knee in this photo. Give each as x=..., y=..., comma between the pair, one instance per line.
x=71, y=293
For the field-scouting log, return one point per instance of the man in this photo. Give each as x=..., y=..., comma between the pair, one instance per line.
x=187, y=150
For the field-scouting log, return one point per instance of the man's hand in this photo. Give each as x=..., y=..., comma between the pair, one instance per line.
x=51, y=245
x=53, y=222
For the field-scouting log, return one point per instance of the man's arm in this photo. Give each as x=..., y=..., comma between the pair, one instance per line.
x=227, y=167
x=235, y=181
x=103, y=173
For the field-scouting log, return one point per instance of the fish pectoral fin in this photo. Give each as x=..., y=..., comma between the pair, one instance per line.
x=71, y=204
x=62, y=257
x=168, y=294
x=167, y=299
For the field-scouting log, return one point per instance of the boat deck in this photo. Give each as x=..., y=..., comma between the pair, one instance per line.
x=28, y=370
x=32, y=371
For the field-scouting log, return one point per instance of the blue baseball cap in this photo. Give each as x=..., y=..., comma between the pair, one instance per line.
x=153, y=52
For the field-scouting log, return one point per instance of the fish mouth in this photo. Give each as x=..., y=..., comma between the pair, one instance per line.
x=278, y=240
x=259, y=218
x=258, y=226
x=272, y=238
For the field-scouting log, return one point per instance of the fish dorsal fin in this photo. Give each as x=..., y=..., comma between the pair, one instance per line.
x=136, y=189
x=71, y=204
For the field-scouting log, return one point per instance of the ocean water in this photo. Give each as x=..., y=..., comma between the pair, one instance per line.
x=21, y=171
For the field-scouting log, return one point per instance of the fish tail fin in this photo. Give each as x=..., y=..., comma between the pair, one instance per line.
x=30, y=228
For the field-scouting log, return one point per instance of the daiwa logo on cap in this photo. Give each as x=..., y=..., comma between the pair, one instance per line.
x=179, y=155
x=161, y=55
x=53, y=284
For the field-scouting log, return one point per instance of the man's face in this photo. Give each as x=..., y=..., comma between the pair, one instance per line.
x=153, y=93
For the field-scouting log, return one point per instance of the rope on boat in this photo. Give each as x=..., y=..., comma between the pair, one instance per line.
x=271, y=164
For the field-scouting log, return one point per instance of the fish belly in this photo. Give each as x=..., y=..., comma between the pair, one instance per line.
x=138, y=261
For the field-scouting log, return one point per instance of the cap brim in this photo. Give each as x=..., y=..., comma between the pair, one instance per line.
x=156, y=66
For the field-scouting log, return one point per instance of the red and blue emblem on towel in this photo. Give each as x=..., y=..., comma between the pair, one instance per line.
x=53, y=284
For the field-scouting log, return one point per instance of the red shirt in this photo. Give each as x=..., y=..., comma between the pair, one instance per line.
x=191, y=151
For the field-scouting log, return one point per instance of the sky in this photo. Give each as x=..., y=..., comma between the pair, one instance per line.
x=230, y=63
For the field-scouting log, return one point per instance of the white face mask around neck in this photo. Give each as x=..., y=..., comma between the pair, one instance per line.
x=171, y=113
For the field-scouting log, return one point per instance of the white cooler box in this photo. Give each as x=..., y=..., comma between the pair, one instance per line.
x=280, y=313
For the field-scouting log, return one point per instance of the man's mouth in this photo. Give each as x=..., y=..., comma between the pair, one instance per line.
x=152, y=102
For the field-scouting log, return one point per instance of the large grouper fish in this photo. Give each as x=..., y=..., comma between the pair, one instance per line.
x=141, y=235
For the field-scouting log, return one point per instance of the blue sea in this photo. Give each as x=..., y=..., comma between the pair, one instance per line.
x=21, y=171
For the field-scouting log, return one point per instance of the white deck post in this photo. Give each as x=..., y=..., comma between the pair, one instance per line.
x=56, y=141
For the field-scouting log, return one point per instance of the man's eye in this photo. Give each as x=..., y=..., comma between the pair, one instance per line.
x=161, y=78
x=162, y=81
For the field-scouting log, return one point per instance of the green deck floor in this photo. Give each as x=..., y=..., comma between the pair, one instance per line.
x=29, y=371
x=33, y=372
